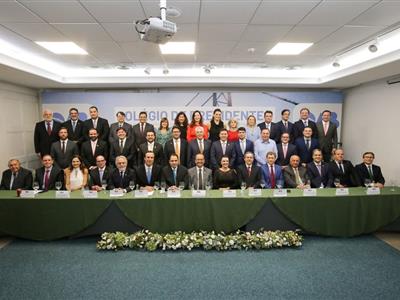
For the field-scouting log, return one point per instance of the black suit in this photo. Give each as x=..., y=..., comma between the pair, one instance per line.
x=283, y=160
x=87, y=155
x=55, y=175
x=299, y=127
x=102, y=127
x=255, y=175
x=305, y=153
x=115, y=180
x=23, y=180
x=193, y=149
x=169, y=148
x=282, y=129
x=42, y=139
x=63, y=160
x=129, y=151
x=158, y=153
x=273, y=131
x=77, y=134
x=316, y=178
x=141, y=176
x=377, y=176
x=349, y=178
x=95, y=176
x=181, y=175
x=216, y=154
x=239, y=154
x=140, y=137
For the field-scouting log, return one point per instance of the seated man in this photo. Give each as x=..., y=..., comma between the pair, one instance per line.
x=48, y=174
x=148, y=174
x=318, y=171
x=99, y=174
x=16, y=177
x=271, y=173
x=121, y=176
x=295, y=175
x=343, y=171
x=249, y=172
x=367, y=170
x=174, y=173
x=199, y=175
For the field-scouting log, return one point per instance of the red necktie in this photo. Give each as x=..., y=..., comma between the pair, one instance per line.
x=272, y=177
x=46, y=180
x=48, y=128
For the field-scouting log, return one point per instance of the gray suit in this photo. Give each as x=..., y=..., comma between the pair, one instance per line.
x=327, y=141
x=194, y=177
x=63, y=160
x=113, y=131
x=290, y=178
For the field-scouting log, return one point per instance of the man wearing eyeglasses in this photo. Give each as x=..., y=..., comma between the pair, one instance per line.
x=367, y=170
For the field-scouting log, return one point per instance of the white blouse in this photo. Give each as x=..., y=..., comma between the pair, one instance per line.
x=76, y=179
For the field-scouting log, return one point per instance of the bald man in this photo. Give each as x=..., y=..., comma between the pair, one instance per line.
x=46, y=133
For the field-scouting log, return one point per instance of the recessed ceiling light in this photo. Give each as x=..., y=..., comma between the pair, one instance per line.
x=289, y=48
x=63, y=48
x=178, y=48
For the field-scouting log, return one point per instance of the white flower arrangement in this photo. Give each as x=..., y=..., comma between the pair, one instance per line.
x=239, y=240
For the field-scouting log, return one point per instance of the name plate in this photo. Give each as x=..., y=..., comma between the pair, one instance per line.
x=116, y=193
x=310, y=192
x=90, y=194
x=28, y=194
x=373, y=191
x=255, y=192
x=229, y=193
x=141, y=194
x=280, y=192
x=62, y=194
x=198, y=193
x=173, y=193
x=342, y=192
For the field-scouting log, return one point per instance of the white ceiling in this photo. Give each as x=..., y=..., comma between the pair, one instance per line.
x=223, y=30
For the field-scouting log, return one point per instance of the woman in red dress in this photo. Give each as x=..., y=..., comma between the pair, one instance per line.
x=233, y=130
x=197, y=120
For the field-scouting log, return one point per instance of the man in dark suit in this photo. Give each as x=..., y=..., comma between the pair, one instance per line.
x=222, y=148
x=242, y=146
x=92, y=148
x=295, y=175
x=148, y=174
x=177, y=145
x=327, y=135
x=272, y=174
x=140, y=130
x=199, y=145
x=305, y=146
x=249, y=172
x=367, y=170
x=318, y=171
x=48, y=174
x=46, y=133
x=199, y=176
x=16, y=177
x=153, y=146
x=63, y=150
x=74, y=127
x=100, y=174
x=98, y=123
x=285, y=150
x=125, y=146
x=273, y=129
x=120, y=123
x=174, y=174
x=121, y=177
x=304, y=122
x=343, y=170
x=285, y=126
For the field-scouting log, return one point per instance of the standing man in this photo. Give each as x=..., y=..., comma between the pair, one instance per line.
x=99, y=174
x=262, y=146
x=273, y=128
x=175, y=173
x=343, y=170
x=367, y=170
x=271, y=172
x=285, y=150
x=304, y=122
x=140, y=130
x=124, y=146
x=48, y=174
x=148, y=174
x=63, y=150
x=16, y=177
x=98, y=123
x=46, y=133
x=119, y=124
x=327, y=135
x=177, y=145
x=249, y=172
x=199, y=175
x=305, y=146
x=242, y=146
x=285, y=126
x=318, y=171
x=74, y=127
x=295, y=175
x=92, y=148
x=152, y=146
x=199, y=145
x=121, y=176
x=221, y=148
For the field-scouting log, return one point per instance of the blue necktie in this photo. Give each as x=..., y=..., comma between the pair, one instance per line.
x=148, y=175
x=174, y=170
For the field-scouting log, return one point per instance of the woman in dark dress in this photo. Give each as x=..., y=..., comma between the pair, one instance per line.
x=215, y=125
x=225, y=177
x=181, y=121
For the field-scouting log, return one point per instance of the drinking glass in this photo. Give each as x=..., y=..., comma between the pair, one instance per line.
x=36, y=186
x=367, y=182
x=58, y=185
x=131, y=185
x=336, y=182
x=182, y=185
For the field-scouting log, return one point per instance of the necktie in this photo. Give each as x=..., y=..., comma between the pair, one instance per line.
x=223, y=148
x=48, y=128
x=177, y=149
x=325, y=127
x=101, y=172
x=95, y=123
x=284, y=150
x=46, y=180
x=148, y=175
x=13, y=176
x=121, y=145
x=371, y=175
x=174, y=171
x=319, y=169
x=308, y=144
x=341, y=168
x=305, y=123
x=63, y=147
x=121, y=174
x=249, y=170
x=243, y=146
x=94, y=148
x=272, y=177
x=286, y=126
x=297, y=176
x=142, y=128
x=73, y=126
x=201, y=146
x=200, y=181
x=120, y=125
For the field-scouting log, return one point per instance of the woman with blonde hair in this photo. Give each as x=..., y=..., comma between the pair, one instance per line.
x=252, y=130
x=233, y=133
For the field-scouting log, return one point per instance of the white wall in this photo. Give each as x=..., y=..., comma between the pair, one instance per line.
x=19, y=113
x=371, y=122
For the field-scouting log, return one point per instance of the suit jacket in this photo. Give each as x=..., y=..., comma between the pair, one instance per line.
x=42, y=139
x=363, y=174
x=113, y=131
x=103, y=129
x=299, y=127
x=290, y=178
x=87, y=155
x=193, y=149
x=252, y=180
x=169, y=148
x=273, y=132
x=302, y=150
x=349, y=178
x=194, y=177
x=94, y=176
x=129, y=151
x=282, y=129
x=283, y=160
x=115, y=181
x=216, y=154
x=63, y=160
x=77, y=135
x=265, y=170
x=56, y=174
x=138, y=137
x=316, y=178
x=158, y=153
x=327, y=141
x=181, y=175
x=23, y=180
x=141, y=176
x=240, y=155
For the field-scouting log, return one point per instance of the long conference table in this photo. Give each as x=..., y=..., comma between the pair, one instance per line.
x=46, y=217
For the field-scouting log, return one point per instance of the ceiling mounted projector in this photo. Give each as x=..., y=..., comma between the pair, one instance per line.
x=156, y=30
